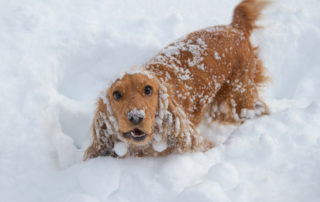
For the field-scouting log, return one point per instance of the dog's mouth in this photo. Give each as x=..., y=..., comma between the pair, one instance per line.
x=135, y=134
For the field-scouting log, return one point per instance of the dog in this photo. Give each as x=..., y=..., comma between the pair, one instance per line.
x=214, y=72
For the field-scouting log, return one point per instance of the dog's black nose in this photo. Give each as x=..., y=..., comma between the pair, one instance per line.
x=136, y=116
x=135, y=120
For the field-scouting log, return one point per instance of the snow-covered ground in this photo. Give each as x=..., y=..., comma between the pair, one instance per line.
x=56, y=56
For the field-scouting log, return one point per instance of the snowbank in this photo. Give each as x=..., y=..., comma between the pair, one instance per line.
x=56, y=56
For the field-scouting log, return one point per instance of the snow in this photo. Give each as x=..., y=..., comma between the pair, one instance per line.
x=168, y=56
x=57, y=56
x=216, y=55
x=120, y=148
x=159, y=145
x=136, y=113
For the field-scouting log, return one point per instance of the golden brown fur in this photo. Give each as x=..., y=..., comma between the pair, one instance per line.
x=215, y=70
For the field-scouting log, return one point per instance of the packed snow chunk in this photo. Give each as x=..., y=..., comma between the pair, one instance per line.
x=159, y=146
x=225, y=174
x=120, y=148
x=204, y=192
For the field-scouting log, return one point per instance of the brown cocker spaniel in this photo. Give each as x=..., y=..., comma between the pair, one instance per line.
x=156, y=111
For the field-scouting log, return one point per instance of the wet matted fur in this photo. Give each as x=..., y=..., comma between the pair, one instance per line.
x=156, y=110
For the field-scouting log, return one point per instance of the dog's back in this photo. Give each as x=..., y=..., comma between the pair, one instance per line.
x=208, y=64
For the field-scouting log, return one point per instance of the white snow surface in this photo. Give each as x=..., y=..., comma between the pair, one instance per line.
x=56, y=57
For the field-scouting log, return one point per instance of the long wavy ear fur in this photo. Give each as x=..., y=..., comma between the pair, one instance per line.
x=186, y=137
x=175, y=128
x=104, y=130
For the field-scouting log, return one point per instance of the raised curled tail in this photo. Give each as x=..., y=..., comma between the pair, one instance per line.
x=247, y=13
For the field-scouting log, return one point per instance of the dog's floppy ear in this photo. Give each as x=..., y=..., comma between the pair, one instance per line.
x=104, y=130
x=177, y=130
x=164, y=122
x=172, y=126
x=186, y=136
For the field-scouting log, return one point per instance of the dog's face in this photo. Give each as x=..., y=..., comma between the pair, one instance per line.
x=134, y=102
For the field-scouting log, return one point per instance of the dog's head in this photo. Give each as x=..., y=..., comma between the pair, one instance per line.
x=137, y=110
x=134, y=102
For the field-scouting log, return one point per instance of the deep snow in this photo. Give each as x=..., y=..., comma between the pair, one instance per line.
x=56, y=56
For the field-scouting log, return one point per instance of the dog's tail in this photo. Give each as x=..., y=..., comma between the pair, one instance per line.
x=247, y=13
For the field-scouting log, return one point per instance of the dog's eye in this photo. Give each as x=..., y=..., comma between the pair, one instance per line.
x=117, y=95
x=148, y=90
